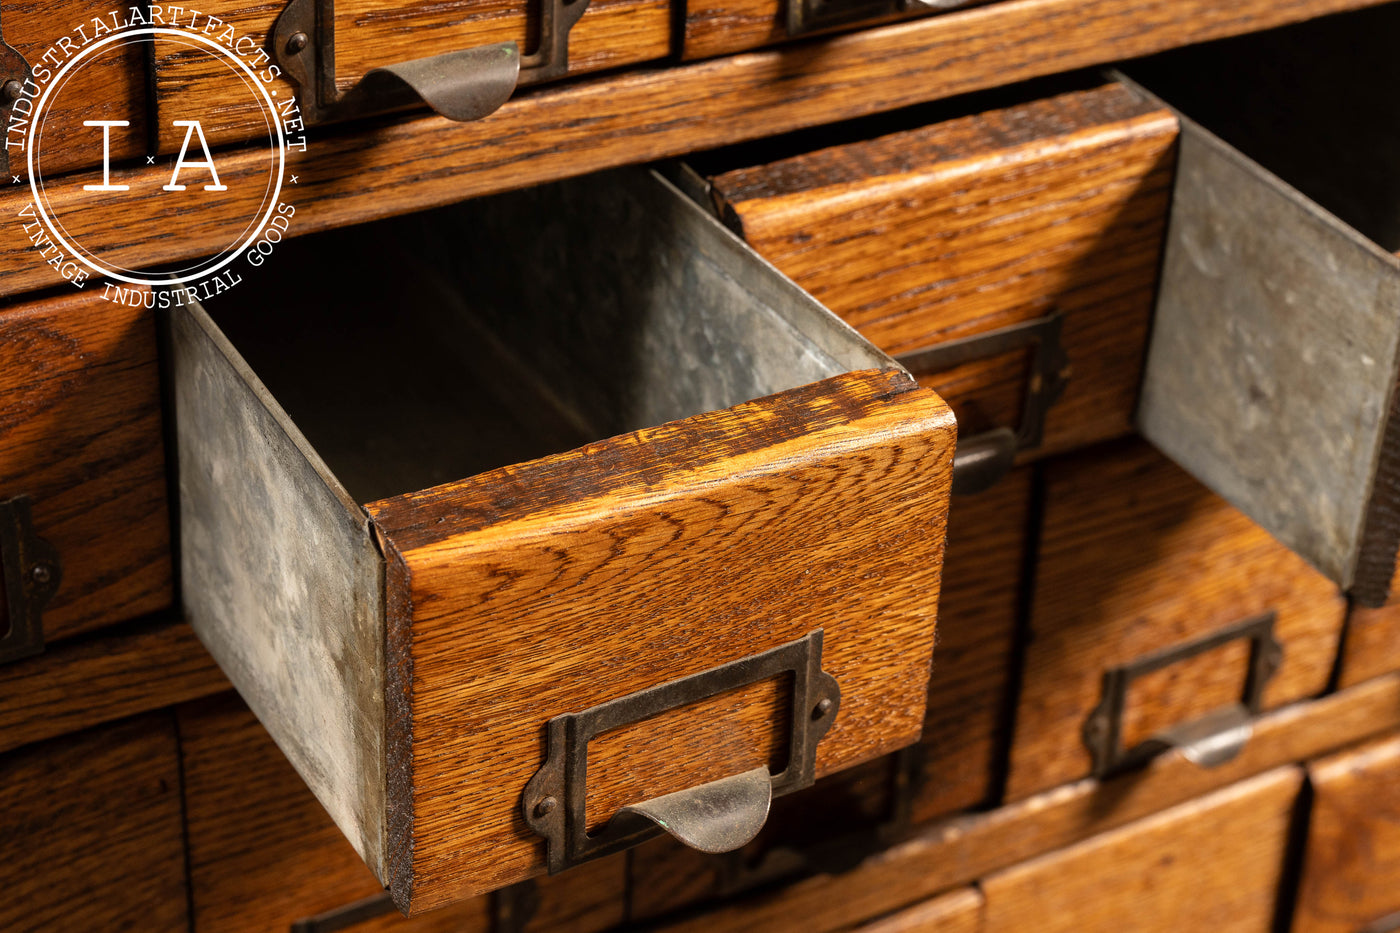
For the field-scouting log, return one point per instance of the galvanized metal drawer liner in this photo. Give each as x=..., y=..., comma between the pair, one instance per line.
x=1272, y=370
x=282, y=576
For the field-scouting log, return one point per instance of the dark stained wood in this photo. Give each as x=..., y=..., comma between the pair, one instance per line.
x=90, y=833
x=610, y=34
x=402, y=166
x=1135, y=557
x=977, y=223
x=1351, y=871
x=94, y=680
x=959, y=851
x=1208, y=864
x=649, y=531
x=263, y=854
x=80, y=433
x=109, y=85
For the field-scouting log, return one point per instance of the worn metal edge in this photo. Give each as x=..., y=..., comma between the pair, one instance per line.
x=353, y=797
x=1374, y=536
x=811, y=322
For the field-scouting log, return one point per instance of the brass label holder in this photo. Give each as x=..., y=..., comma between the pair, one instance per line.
x=719, y=816
x=463, y=85
x=1209, y=741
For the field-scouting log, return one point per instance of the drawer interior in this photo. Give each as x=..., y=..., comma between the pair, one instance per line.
x=444, y=344
x=447, y=478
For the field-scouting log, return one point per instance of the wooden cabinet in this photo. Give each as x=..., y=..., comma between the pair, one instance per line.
x=110, y=84
x=342, y=42
x=1351, y=869
x=86, y=539
x=443, y=665
x=1008, y=258
x=1211, y=864
x=1158, y=609
x=91, y=834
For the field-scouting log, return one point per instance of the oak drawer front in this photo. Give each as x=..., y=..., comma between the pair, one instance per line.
x=108, y=85
x=721, y=27
x=363, y=35
x=1210, y=864
x=1008, y=258
x=1271, y=373
x=1351, y=868
x=960, y=911
x=1372, y=645
x=1162, y=617
x=798, y=536
x=92, y=836
x=84, y=532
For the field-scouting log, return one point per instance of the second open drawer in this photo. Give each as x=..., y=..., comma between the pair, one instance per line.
x=700, y=533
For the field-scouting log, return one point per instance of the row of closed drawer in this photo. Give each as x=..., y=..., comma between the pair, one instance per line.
x=805, y=540
x=140, y=822
x=144, y=86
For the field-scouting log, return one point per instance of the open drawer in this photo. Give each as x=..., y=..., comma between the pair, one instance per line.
x=698, y=544
x=1272, y=370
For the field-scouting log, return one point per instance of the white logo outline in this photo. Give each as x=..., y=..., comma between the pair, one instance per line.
x=81, y=255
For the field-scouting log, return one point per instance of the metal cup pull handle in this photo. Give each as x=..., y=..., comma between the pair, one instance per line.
x=462, y=85
x=717, y=816
x=1210, y=740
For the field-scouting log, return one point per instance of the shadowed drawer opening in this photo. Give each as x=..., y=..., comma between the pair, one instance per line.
x=416, y=351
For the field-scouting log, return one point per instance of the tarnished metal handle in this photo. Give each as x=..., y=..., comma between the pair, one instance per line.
x=1208, y=741
x=983, y=459
x=715, y=817
x=462, y=85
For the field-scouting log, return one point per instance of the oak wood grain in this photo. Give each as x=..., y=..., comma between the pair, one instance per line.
x=1372, y=643
x=1209, y=864
x=966, y=726
x=655, y=555
x=720, y=27
x=1135, y=556
x=610, y=34
x=404, y=165
x=959, y=851
x=90, y=834
x=977, y=223
x=264, y=854
x=88, y=681
x=1351, y=871
x=964, y=735
x=80, y=433
x=109, y=85
x=962, y=911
